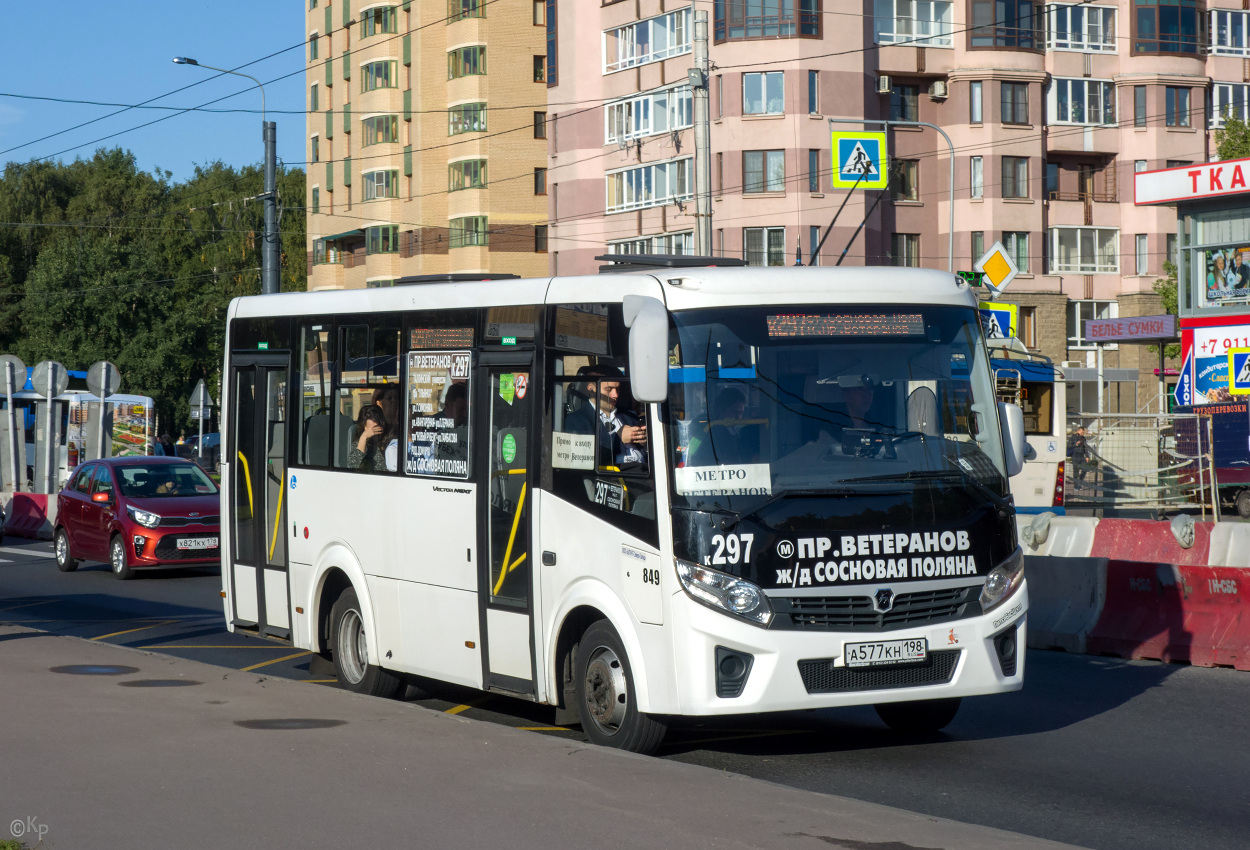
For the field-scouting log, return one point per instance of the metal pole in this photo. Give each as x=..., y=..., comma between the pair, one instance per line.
x=702, y=142
x=9, y=387
x=950, y=236
x=199, y=446
x=1101, y=407
x=49, y=462
x=821, y=243
x=270, y=282
x=1163, y=383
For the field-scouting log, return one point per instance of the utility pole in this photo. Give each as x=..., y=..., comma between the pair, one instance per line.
x=699, y=78
x=270, y=258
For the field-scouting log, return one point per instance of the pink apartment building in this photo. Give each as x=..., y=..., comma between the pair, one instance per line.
x=1050, y=109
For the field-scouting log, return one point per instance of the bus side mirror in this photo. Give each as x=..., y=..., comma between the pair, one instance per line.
x=1011, y=417
x=647, y=320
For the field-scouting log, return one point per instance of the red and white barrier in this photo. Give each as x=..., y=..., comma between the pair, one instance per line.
x=1149, y=541
x=26, y=515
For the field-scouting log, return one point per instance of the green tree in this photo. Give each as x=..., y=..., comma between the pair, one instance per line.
x=1232, y=141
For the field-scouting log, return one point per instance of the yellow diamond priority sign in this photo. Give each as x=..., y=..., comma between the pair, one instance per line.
x=998, y=267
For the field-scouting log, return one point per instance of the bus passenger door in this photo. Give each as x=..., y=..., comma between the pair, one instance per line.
x=257, y=559
x=505, y=415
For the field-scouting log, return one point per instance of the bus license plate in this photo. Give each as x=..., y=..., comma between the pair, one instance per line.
x=886, y=652
x=198, y=543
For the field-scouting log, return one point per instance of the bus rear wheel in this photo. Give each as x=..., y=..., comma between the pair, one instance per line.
x=605, y=695
x=1242, y=503
x=918, y=717
x=351, y=651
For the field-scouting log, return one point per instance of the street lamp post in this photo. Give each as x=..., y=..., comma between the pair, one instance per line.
x=269, y=282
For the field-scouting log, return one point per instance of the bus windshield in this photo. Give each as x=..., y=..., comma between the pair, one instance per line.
x=773, y=401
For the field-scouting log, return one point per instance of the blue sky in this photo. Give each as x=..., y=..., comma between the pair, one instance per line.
x=121, y=52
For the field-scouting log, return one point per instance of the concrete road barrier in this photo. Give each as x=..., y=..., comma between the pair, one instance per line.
x=1058, y=536
x=1150, y=541
x=26, y=515
x=1230, y=545
x=1066, y=597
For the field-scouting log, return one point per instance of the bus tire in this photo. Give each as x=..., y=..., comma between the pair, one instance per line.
x=64, y=560
x=351, y=651
x=1242, y=503
x=117, y=559
x=918, y=717
x=605, y=695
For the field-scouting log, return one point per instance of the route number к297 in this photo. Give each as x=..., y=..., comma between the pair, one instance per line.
x=732, y=548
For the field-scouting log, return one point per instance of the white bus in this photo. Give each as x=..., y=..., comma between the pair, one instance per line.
x=1037, y=386
x=684, y=492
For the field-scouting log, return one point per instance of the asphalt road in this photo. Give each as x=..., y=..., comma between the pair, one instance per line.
x=1094, y=751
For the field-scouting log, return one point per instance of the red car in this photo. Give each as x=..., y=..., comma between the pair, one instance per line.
x=138, y=512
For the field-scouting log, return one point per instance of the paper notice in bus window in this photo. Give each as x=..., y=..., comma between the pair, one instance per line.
x=438, y=413
x=572, y=451
x=748, y=479
x=582, y=327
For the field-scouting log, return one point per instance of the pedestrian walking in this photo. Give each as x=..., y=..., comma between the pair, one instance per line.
x=1078, y=450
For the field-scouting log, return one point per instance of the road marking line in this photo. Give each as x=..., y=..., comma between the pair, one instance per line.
x=471, y=704
x=543, y=728
x=210, y=646
x=276, y=660
x=12, y=550
x=319, y=681
x=31, y=604
x=140, y=629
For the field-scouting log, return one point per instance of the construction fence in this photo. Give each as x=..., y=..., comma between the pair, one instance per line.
x=1157, y=463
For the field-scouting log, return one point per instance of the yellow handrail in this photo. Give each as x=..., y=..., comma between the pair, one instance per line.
x=281, y=490
x=247, y=476
x=504, y=569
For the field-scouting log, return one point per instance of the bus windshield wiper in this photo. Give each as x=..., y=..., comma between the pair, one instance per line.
x=932, y=474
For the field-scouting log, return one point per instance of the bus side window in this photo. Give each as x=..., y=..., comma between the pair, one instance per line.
x=317, y=393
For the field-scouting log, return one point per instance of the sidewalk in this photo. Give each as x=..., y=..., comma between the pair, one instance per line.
x=99, y=765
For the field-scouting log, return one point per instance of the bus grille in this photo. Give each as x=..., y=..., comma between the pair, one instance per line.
x=821, y=677
x=857, y=613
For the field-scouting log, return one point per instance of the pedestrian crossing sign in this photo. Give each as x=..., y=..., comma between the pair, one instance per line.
x=860, y=160
x=999, y=320
x=1239, y=371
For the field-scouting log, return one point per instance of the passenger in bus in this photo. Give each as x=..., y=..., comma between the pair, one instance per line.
x=592, y=402
x=724, y=443
x=387, y=398
x=626, y=414
x=456, y=409
x=369, y=447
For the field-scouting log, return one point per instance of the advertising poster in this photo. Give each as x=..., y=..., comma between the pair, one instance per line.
x=438, y=413
x=1210, y=355
x=1227, y=276
x=132, y=430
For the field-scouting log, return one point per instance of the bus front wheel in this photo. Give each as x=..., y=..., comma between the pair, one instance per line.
x=1242, y=504
x=351, y=651
x=919, y=716
x=606, y=701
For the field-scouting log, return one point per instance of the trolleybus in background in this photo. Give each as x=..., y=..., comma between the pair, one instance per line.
x=1037, y=385
x=685, y=492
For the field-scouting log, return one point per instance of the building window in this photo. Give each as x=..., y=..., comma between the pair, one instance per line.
x=379, y=75
x=1229, y=32
x=681, y=244
x=551, y=43
x=540, y=13
x=458, y=9
x=813, y=240
x=813, y=170
x=380, y=184
x=315, y=206
x=764, y=246
x=381, y=129
x=380, y=283
x=312, y=48
x=905, y=249
x=540, y=125
x=1082, y=101
x=540, y=69
x=540, y=181
x=540, y=238
x=763, y=171
x=314, y=98
x=1088, y=250
x=378, y=20
x=735, y=20
x=1177, y=106
x=1139, y=165
x=471, y=118
x=1142, y=264
x=720, y=96
x=905, y=180
x=1228, y=100
x=647, y=41
x=315, y=149
x=1081, y=311
x=655, y=184
x=1081, y=27
x=1170, y=248
x=976, y=173
x=813, y=92
x=468, y=231
x=1015, y=177
x=926, y=23
x=648, y=114
x=905, y=103
x=466, y=174
x=1139, y=106
x=466, y=62
x=1167, y=26
x=382, y=239
x=1016, y=244
x=720, y=174
x=1027, y=332
x=1015, y=103
x=1005, y=23
x=1177, y=163
x=976, y=102
x=1052, y=180
x=978, y=245
x=763, y=94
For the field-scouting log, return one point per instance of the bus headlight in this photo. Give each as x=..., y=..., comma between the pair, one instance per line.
x=725, y=593
x=145, y=518
x=1003, y=581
